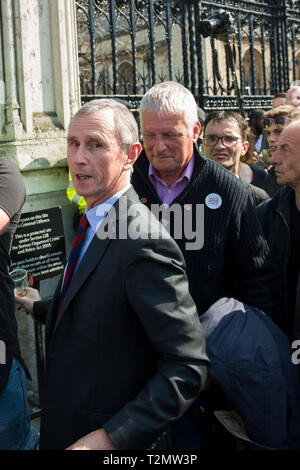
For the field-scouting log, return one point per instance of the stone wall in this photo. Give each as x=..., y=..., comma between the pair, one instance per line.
x=39, y=93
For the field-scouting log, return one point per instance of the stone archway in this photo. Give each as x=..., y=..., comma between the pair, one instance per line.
x=125, y=78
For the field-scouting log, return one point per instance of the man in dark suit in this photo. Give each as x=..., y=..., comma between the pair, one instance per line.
x=125, y=352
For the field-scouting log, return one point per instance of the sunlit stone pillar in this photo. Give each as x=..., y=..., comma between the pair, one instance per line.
x=39, y=93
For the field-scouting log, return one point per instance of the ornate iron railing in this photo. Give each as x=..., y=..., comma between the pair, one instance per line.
x=126, y=46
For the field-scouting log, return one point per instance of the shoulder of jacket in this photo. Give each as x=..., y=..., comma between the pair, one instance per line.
x=269, y=206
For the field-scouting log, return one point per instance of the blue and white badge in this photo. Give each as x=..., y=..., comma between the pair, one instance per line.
x=213, y=201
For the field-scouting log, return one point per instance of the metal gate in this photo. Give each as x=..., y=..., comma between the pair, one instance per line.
x=126, y=46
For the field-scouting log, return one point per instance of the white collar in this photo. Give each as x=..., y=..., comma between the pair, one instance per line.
x=97, y=213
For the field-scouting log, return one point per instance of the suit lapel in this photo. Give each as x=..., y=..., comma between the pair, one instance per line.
x=88, y=263
x=97, y=247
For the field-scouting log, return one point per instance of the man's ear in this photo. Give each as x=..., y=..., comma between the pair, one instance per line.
x=196, y=131
x=245, y=147
x=132, y=154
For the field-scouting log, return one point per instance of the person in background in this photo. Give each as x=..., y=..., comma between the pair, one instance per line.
x=263, y=156
x=250, y=171
x=256, y=124
x=221, y=239
x=16, y=432
x=279, y=99
x=280, y=220
x=226, y=141
x=275, y=121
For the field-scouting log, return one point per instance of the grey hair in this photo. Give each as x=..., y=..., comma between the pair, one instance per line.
x=171, y=97
x=125, y=123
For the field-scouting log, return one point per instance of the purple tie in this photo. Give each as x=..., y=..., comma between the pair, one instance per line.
x=73, y=259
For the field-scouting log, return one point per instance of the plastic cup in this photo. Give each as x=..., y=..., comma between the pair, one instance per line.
x=21, y=280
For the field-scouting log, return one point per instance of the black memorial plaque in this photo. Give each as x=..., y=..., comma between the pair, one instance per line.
x=39, y=244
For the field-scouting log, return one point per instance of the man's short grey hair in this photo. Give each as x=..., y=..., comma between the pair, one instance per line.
x=125, y=124
x=171, y=97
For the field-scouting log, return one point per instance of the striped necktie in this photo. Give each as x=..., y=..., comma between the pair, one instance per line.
x=74, y=256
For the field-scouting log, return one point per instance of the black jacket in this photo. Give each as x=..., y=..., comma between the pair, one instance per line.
x=274, y=216
x=234, y=259
x=257, y=195
x=12, y=198
x=127, y=352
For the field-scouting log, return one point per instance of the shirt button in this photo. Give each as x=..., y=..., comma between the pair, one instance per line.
x=169, y=191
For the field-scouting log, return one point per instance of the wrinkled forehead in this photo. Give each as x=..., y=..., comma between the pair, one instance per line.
x=160, y=114
x=291, y=136
x=99, y=115
x=226, y=125
x=152, y=119
x=98, y=122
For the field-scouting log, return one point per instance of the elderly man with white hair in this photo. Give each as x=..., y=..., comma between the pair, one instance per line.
x=280, y=219
x=231, y=258
x=209, y=213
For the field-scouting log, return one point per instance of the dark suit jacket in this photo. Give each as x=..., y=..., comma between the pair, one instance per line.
x=128, y=352
x=275, y=219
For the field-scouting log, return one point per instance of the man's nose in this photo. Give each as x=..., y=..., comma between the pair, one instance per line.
x=274, y=158
x=159, y=144
x=81, y=155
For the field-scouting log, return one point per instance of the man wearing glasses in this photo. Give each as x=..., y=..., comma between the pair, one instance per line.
x=226, y=141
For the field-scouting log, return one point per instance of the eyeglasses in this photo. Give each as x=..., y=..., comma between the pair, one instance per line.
x=278, y=120
x=227, y=140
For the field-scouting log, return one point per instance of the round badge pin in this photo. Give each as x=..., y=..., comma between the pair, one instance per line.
x=213, y=201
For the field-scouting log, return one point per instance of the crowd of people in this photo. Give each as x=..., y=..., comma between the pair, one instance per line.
x=197, y=223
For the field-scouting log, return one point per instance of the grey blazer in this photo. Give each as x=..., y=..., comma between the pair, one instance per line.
x=127, y=352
